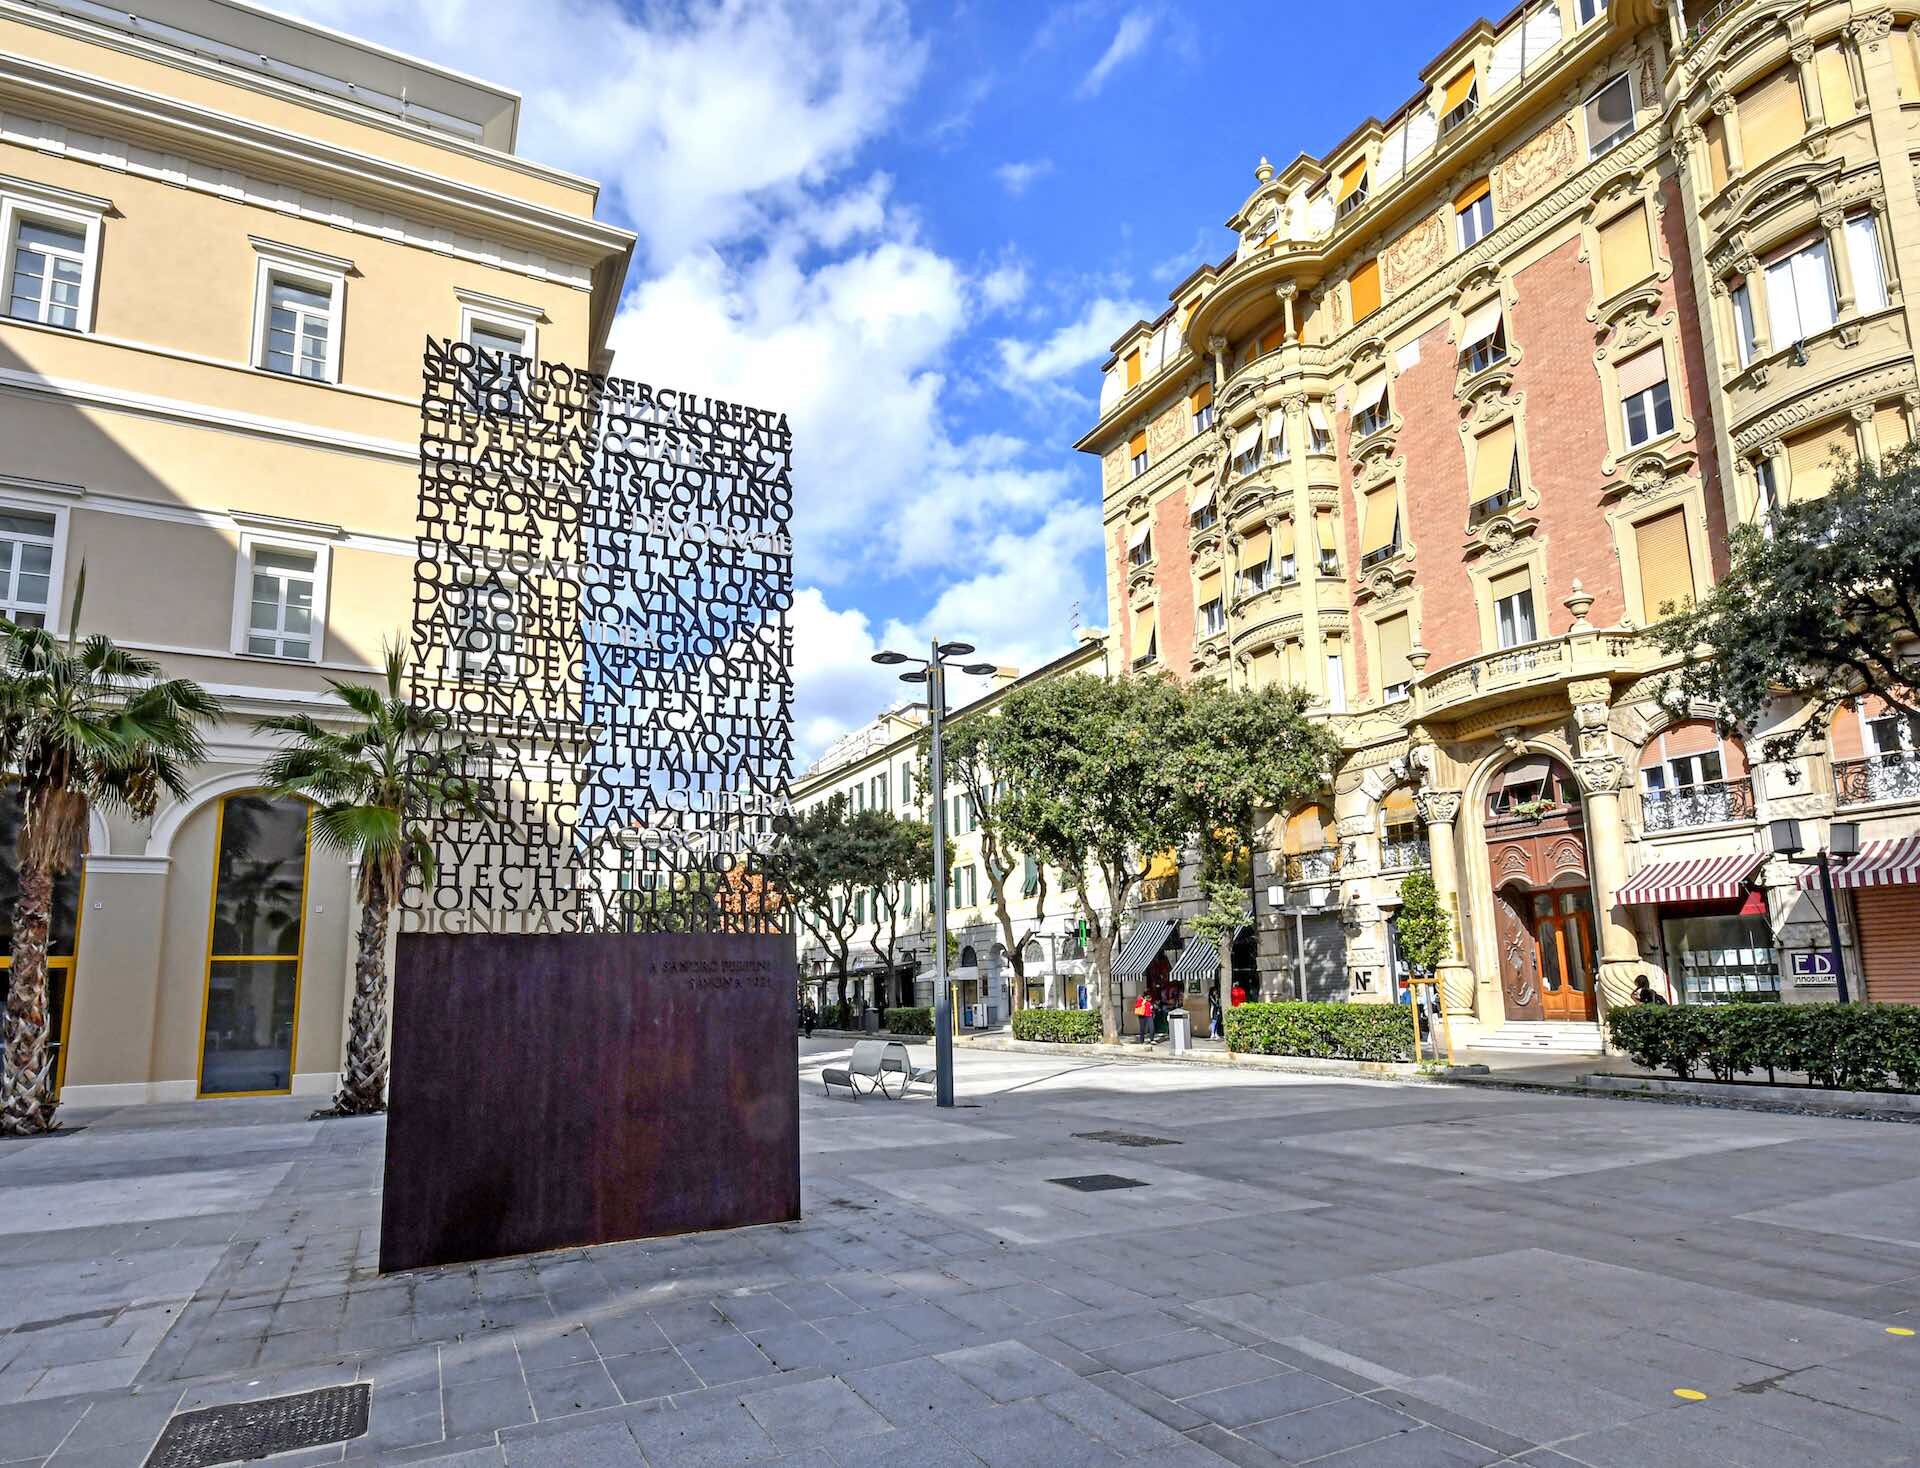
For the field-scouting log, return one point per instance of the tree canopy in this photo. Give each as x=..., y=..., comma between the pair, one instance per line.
x=1820, y=603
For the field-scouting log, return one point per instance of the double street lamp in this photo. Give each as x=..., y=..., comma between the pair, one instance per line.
x=1843, y=840
x=932, y=672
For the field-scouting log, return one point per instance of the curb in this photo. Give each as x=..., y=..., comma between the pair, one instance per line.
x=1222, y=1060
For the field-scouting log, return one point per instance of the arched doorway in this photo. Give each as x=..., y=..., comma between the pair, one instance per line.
x=1542, y=892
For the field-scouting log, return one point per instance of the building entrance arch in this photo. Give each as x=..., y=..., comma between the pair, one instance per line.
x=1542, y=891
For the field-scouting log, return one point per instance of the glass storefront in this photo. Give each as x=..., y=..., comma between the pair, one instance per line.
x=253, y=959
x=1717, y=960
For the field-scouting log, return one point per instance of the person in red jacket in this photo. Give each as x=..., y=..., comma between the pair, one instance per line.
x=1239, y=995
x=1143, y=1007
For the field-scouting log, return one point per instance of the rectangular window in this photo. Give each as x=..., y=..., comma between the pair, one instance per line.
x=280, y=620
x=300, y=328
x=1767, y=485
x=1461, y=101
x=1146, y=636
x=1256, y=553
x=1645, y=402
x=1396, y=642
x=26, y=567
x=1200, y=402
x=502, y=380
x=1140, y=544
x=1863, y=261
x=1483, y=338
x=1746, y=337
x=1719, y=158
x=1371, y=412
x=1685, y=771
x=1906, y=75
x=1473, y=213
x=47, y=271
x=1817, y=458
x=1246, y=449
x=253, y=951
x=1513, y=609
x=1800, y=299
x=1380, y=526
x=1666, y=566
x=1133, y=368
x=1319, y=434
x=1323, y=525
x=1496, y=473
x=1626, y=252
x=906, y=786
x=1610, y=116
x=1364, y=288
x=1591, y=10
x=1137, y=453
x=1202, y=512
x=1336, y=677
x=1830, y=68
x=1353, y=188
x=1771, y=117
x=1208, y=594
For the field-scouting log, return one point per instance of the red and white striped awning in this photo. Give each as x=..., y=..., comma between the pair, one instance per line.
x=1697, y=879
x=1892, y=863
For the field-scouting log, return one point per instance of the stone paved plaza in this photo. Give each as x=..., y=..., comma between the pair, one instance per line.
x=1338, y=1272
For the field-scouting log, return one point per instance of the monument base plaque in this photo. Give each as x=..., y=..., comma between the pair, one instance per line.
x=557, y=1090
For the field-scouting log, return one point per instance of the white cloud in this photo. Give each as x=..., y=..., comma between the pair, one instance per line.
x=1016, y=178
x=1072, y=346
x=1003, y=286
x=1136, y=28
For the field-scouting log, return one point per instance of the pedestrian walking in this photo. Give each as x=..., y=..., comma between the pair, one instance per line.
x=1143, y=1009
x=1159, y=1014
x=1216, y=1020
x=808, y=1018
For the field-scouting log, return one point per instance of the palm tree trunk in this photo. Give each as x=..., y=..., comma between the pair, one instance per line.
x=27, y=1101
x=363, y=1086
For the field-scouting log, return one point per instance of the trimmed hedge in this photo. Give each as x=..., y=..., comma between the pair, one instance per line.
x=1057, y=1026
x=1854, y=1047
x=1327, y=1031
x=907, y=1021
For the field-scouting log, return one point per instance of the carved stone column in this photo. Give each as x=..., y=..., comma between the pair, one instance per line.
x=1601, y=772
x=1439, y=809
x=1217, y=349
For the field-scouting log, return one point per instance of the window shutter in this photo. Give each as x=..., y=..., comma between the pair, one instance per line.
x=1382, y=519
x=1813, y=459
x=1472, y=194
x=1323, y=524
x=1368, y=393
x=1836, y=81
x=1890, y=427
x=1483, y=323
x=1666, y=565
x=1771, y=117
x=1306, y=832
x=1626, y=255
x=1255, y=550
x=1511, y=583
x=1263, y=668
x=1396, y=641
x=1273, y=340
x=1201, y=397
x=1351, y=177
x=1492, y=463
x=1133, y=368
x=1457, y=90
x=1136, y=445
x=1719, y=164
x=1294, y=662
x=1365, y=290
x=1638, y=373
x=1145, y=621
x=1286, y=538
x=1209, y=588
x=1904, y=71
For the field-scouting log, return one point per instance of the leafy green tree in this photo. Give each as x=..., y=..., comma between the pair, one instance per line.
x=1820, y=603
x=378, y=780
x=815, y=871
x=969, y=764
x=83, y=723
x=1425, y=931
x=902, y=857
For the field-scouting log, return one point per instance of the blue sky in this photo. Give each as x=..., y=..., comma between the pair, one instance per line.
x=917, y=229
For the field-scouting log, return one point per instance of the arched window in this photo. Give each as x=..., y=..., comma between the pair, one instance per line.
x=1532, y=785
x=1308, y=842
x=1690, y=776
x=969, y=958
x=1403, y=837
x=253, y=946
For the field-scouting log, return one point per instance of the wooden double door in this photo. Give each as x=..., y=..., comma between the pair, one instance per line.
x=1547, y=953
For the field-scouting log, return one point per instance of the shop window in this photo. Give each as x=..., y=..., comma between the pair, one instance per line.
x=253, y=953
x=1721, y=960
x=1609, y=114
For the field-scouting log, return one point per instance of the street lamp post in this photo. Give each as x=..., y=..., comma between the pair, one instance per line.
x=932, y=672
x=1843, y=839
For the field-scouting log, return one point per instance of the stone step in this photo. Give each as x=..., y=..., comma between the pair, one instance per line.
x=1552, y=1037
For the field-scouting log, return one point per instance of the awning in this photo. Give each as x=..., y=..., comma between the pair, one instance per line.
x=1480, y=325
x=1698, y=879
x=1148, y=937
x=1369, y=393
x=1139, y=536
x=1246, y=440
x=1198, y=962
x=1202, y=497
x=1317, y=418
x=1893, y=863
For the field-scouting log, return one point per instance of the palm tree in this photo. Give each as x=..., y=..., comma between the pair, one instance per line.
x=83, y=723
x=376, y=785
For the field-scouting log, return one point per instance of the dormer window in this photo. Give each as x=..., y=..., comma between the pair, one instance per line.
x=1353, y=189
x=1461, y=102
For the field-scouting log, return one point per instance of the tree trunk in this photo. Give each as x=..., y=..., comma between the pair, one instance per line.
x=27, y=1100
x=363, y=1088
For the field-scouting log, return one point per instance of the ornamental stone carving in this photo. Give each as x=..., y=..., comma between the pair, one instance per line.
x=1551, y=155
x=1438, y=807
x=1871, y=30
x=1414, y=253
x=1600, y=774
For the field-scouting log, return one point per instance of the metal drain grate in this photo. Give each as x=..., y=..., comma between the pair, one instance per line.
x=1125, y=1139
x=1098, y=1182
x=249, y=1430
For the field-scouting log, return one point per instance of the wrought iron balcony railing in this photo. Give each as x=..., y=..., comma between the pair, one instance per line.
x=1313, y=866
x=1877, y=777
x=1405, y=855
x=1697, y=805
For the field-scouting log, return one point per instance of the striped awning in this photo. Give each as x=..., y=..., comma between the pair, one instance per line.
x=1698, y=879
x=1894, y=863
x=1198, y=961
x=1148, y=937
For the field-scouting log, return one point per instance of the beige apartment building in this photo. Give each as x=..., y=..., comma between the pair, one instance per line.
x=227, y=235
x=1468, y=407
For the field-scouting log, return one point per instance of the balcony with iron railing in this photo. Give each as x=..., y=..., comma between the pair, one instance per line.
x=1404, y=853
x=1710, y=803
x=1310, y=867
x=1877, y=778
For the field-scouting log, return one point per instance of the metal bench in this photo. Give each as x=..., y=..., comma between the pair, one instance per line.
x=867, y=1063
x=899, y=1061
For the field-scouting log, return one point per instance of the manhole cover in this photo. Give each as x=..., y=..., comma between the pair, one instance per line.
x=1126, y=1139
x=248, y=1430
x=1098, y=1182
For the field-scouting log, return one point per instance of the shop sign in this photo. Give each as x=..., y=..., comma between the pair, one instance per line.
x=1816, y=967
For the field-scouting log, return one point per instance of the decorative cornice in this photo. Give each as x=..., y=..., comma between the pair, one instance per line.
x=1825, y=400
